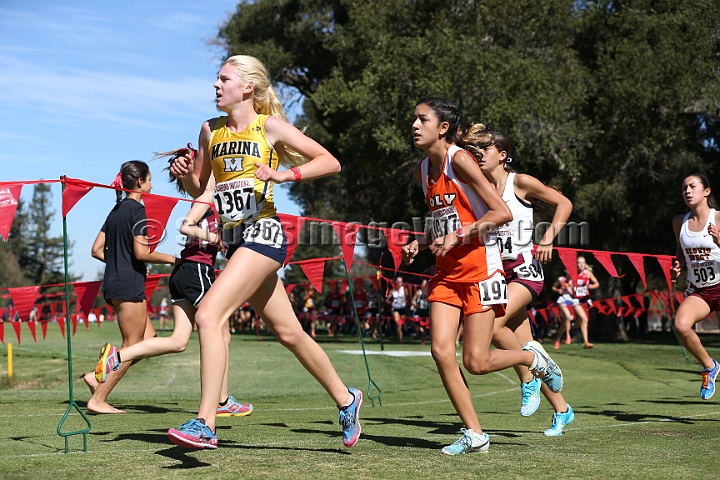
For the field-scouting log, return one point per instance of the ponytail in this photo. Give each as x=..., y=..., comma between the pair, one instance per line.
x=130, y=174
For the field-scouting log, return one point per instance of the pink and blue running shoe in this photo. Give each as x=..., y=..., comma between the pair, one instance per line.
x=349, y=419
x=234, y=409
x=193, y=434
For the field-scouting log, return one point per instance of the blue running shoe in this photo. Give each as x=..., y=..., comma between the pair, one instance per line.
x=530, y=396
x=559, y=422
x=349, y=419
x=544, y=367
x=469, y=442
x=707, y=390
x=193, y=434
x=233, y=408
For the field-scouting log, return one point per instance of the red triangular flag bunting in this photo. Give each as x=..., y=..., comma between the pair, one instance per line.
x=33, y=328
x=314, y=271
x=158, y=209
x=347, y=234
x=292, y=226
x=73, y=321
x=2, y=331
x=396, y=239
x=24, y=299
x=150, y=285
x=606, y=261
x=61, y=324
x=568, y=257
x=531, y=315
x=16, y=327
x=86, y=293
x=289, y=288
x=666, y=265
x=9, y=197
x=72, y=194
x=638, y=261
x=43, y=326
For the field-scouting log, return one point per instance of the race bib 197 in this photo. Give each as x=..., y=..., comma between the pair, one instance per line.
x=235, y=199
x=445, y=220
x=493, y=291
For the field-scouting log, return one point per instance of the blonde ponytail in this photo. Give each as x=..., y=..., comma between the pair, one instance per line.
x=265, y=100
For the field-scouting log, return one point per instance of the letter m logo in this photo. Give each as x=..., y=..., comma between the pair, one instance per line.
x=233, y=164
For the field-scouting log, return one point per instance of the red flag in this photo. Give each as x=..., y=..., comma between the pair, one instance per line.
x=289, y=288
x=543, y=313
x=72, y=194
x=626, y=301
x=637, y=260
x=568, y=256
x=61, y=324
x=606, y=261
x=33, y=328
x=16, y=327
x=24, y=299
x=343, y=285
x=74, y=321
x=86, y=293
x=2, y=331
x=158, y=209
x=600, y=307
x=666, y=265
x=347, y=234
x=314, y=271
x=9, y=197
x=150, y=285
x=292, y=226
x=43, y=326
x=531, y=315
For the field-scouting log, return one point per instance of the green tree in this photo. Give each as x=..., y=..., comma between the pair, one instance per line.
x=612, y=102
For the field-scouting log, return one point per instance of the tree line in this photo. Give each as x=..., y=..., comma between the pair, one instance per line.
x=612, y=102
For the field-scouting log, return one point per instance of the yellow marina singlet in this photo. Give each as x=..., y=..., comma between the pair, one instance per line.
x=238, y=195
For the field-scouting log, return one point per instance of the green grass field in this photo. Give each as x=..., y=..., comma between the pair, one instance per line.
x=638, y=415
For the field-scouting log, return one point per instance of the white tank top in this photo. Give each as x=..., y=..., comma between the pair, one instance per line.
x=398, y=298
x=702, y=256
x=515, y=237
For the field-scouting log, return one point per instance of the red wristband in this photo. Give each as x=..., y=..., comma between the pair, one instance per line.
x=298, y=174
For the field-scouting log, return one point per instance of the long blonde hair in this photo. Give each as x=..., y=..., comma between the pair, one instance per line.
x=265, y=101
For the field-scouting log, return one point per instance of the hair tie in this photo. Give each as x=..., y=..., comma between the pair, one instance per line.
x=117, y=183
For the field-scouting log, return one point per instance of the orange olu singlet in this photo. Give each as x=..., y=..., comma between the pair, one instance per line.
x=453, y=203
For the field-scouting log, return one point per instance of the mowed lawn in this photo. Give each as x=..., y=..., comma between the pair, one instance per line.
x=638, y=415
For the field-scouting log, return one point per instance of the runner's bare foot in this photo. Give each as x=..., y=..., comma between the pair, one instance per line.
x=102, y=407
x=91, y=382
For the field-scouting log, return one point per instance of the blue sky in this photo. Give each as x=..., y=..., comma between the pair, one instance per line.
x=86, y=86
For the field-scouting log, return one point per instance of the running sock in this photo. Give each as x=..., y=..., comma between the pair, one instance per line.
x=117, y=355
x=222, y=404
x=348, y=405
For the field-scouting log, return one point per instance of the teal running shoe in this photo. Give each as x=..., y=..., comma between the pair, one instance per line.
x=233, y=408
x=559, y=422
x=707, y=390
x=193, y=434
x=349, y=419
x=530, y=396
x=544, y=367
x=469, y=442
